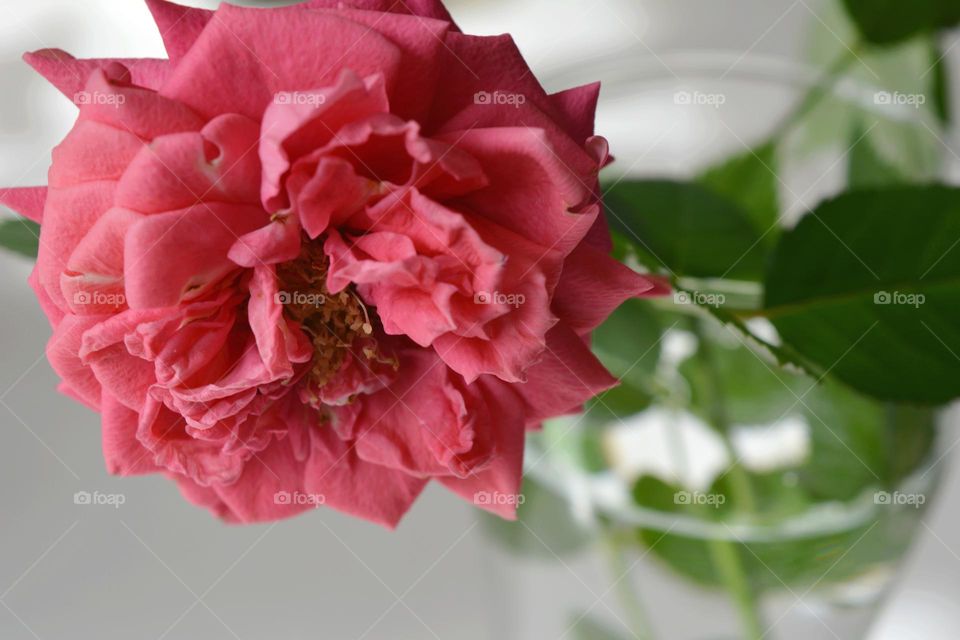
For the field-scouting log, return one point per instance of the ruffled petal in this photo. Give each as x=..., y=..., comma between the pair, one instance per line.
x=280, y=343
x=329, y=195
x=577, y=106
x=218, y=163
x=567, y=376
x=109, y=98
x=69, y=214
x=318, y=46
x=421, y=425
x=163, y=433
x=62, y=353
x=200, y=237
x=420, y=265
x=122, y=452
x=270, y=487
x=299, y=122
x=496, y=488
x=69, y=75
x=356, y=487
x=593, y=285
x=124, y=376
x=420, y=41
x=525, y=173
x=279, y=241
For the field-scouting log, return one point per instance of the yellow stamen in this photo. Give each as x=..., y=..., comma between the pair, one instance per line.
x=332, y=320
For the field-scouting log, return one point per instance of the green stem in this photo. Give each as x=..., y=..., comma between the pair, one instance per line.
x=725, y=553
x=741, y=489
x=630, y=602
x=726, y=559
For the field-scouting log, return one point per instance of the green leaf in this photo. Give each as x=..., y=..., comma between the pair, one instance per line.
x=686, y=228
x=750, y=180
x=628, y=342
x=625, y=399
x=889, y=21
x=868, y=288
x=866, y=167
x=20, y=236
x=847, y=446
x=857, y=443
x=622, y=248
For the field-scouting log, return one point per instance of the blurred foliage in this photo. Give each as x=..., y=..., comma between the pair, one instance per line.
x=686, y=228
x=866, y=168
x=750, y=180
x=844, y=323
x=796, y=562
x=544, y=526
x=905, y=137
x=887, y=22
x=20, y=236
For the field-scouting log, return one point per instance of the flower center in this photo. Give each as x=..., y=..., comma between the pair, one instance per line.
x=334, y=321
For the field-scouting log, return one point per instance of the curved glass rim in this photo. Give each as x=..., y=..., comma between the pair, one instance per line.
x=580, y=489
x=621, y=71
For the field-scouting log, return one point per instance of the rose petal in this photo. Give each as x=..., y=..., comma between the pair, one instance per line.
x=201, y=236
x=318, y=46
x=27, y=201
x=567, y=376
x=122, y=452
x=62, y=353
x=179, y=26
x=593, y=285
x=69, y=74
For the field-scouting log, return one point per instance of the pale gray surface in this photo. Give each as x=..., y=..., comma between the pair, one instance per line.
x=77, y=572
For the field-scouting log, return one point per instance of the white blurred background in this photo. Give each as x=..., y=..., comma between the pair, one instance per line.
x=160, y=568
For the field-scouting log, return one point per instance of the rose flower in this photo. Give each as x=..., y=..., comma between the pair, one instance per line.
x=333, y=250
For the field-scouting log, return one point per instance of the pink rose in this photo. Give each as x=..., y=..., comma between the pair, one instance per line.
x=324, y=254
